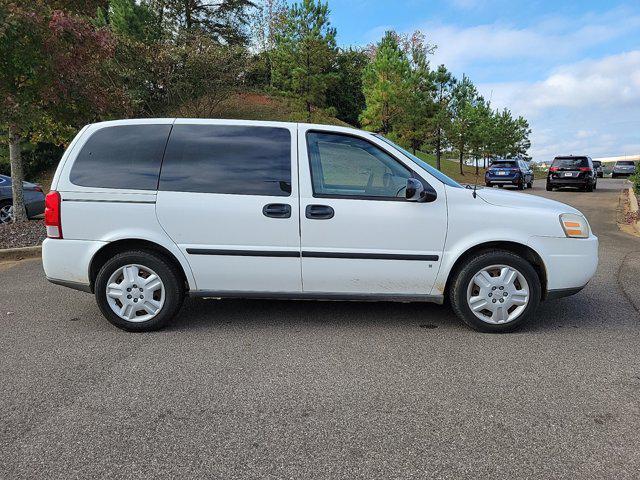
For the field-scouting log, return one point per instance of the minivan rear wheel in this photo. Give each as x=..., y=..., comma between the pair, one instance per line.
x=496, y=292
x=139, y=291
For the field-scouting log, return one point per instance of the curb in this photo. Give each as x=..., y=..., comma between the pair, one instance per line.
x=633, y=206
x=20, y=253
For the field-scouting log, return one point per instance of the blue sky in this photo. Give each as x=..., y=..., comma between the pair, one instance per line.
x=571, y=68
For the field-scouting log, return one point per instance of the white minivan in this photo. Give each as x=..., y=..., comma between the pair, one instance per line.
x=144, y=212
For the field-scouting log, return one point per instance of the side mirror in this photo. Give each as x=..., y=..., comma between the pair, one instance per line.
x=417, y=192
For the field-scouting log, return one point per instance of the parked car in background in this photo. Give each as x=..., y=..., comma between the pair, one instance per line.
x=509, y=172
x=623, y=168
x=597, y=166
x=572, y=171
x=145, y=212
x=33, y=199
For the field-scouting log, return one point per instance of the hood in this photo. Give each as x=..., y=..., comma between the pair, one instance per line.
x=505, y=198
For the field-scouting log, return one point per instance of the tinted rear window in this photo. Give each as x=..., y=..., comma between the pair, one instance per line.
x=228, y=159
x=625, y=163
x=503, y=164
x=125, y=156
x=574, y=162
x=597, y=163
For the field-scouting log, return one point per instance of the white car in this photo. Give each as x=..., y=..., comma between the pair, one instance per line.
x=144, y=212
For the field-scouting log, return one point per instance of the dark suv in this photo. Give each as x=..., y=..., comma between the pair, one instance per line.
x=509, y=172
x=572, y=171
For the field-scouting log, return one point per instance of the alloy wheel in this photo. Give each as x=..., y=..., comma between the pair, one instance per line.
x=6, y=214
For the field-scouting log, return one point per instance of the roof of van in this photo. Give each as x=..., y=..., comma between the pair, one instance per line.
x=223, y=121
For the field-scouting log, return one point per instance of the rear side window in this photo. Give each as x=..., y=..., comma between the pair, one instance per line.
x=570, y=162
x=228, y=159
x=124, y=156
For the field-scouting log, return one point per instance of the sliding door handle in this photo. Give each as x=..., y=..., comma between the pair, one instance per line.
x=319, y=212
x=277, y=210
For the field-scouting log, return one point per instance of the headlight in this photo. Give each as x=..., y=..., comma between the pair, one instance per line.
x=574, y=226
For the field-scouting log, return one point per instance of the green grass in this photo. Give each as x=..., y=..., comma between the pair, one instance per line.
x=452, y=169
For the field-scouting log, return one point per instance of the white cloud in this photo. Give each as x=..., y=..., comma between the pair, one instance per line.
x=590, y=107
x=608, y=82
x=547, y=40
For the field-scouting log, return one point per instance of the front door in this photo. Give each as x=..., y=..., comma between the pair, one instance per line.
x=359, y=235
x=228, y=197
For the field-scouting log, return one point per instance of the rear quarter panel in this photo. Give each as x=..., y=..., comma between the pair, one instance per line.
x=105, y=214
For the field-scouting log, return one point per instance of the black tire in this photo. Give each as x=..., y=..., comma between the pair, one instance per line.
x=500, y=186
x=168, y=273
x=549, y=187
x=521, y=185
x=489, y=185
x=589, y=188
x=530, y=184
x=458, y=289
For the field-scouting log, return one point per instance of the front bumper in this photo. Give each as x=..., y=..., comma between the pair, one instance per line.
x=503, y=180
x=569, y=262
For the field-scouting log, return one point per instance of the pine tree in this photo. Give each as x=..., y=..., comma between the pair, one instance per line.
x=386, y=86
x=481, y=130
x=223, y=20
x=464, y=96
x=444, y=83
x=346, y=96
x=414, y=129
x=304, y=54
x=128, y=18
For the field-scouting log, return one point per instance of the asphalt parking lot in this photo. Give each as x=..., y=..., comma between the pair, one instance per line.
x=304, y=390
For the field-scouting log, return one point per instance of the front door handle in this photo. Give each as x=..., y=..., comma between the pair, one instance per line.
x=277, y=210
x=319, y=212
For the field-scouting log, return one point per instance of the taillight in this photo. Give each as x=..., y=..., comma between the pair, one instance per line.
x=52, y=217
x=585, y=169
x=553, y=169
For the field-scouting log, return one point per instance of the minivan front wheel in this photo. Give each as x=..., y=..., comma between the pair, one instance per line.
x=139, y=291
x=496, y=292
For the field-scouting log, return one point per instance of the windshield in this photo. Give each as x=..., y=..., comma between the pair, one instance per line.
x=503, y=164
x=571, y=162
x=433, y=171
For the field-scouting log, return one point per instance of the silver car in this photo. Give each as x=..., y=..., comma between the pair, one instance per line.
x=623, y=168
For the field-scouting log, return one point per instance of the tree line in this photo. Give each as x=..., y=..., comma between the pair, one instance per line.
x=65, y=63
